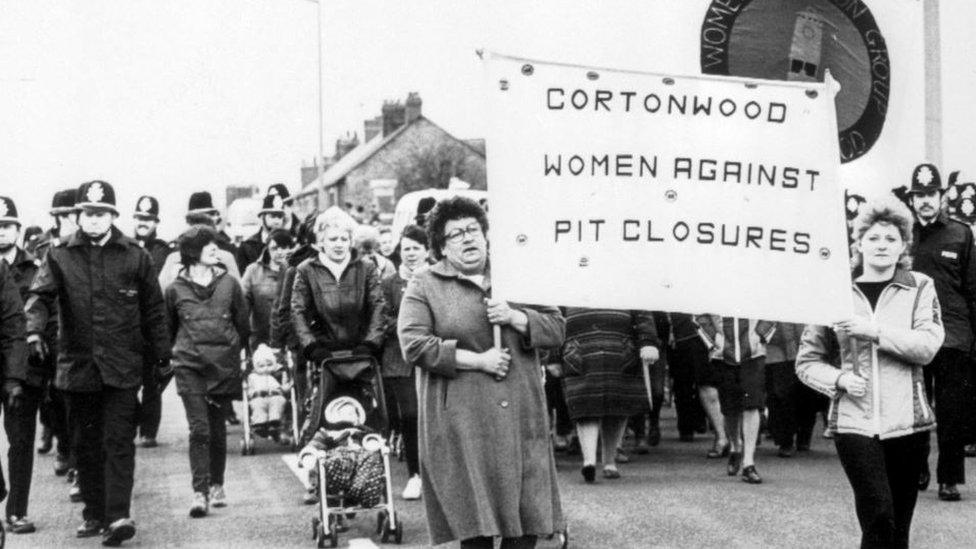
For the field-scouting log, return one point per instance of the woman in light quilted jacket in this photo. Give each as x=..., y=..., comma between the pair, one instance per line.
x=871, y=368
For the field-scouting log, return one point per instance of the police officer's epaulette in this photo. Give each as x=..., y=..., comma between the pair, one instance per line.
x=961, y=222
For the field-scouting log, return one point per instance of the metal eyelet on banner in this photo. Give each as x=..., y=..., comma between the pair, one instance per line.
x=668, y=81
x=824, y=253
x=528, y=69
x=670, y=195
x=521, y=239
x=592, y=75
x=751, y=85
x=584, y=261
x=812, y=94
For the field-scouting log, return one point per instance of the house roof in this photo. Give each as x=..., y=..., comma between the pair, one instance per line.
x=365, y=151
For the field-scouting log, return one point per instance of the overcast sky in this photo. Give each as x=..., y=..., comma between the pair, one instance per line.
x=170, y=97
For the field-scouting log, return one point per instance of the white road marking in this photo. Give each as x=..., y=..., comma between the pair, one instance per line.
x=291, y=460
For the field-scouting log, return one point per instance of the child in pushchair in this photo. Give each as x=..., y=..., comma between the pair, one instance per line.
x=267, y=390
x=348, y=459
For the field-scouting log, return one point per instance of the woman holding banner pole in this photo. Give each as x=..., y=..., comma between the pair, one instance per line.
x=871, y=368
x=485, y=456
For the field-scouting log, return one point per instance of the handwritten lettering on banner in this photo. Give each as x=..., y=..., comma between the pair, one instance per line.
x=630, y=190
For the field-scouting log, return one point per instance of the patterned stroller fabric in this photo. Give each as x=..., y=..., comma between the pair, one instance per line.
x=357, y=473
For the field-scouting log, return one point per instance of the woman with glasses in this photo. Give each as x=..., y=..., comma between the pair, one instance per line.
x=485, y=459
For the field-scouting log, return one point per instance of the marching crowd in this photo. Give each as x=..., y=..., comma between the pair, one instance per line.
x=96, y=324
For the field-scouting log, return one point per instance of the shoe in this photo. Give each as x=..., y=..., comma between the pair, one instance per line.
x=611, y=473
x=750, y=476
x=119, y=531
x=589, y=473
x=46, y=441
x=311, y=497
x=654, y=435
x=200, y=505
x=217, y=496
x=642, y=446
x=621, y=457
x=949, y=492
x=148, y=442
x=61, y=465
x=90, y=528
x=715, y=453
x=735, y=462
x=786, y=451
x=686, y=437
x=74, y=493
x=924, y=478
x=20, y=525
x=413, y=489
x=971, y=451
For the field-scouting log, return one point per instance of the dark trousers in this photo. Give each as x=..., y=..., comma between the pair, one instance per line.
x=104, y=424
x=401, y=407
x=949, y=383
x=208, y=439
x=884, y=476
x=54, y=416
x=151, y=410
x=792, y=406
x=556, y=403
x=486, y=542
x=21, y=426
x=682, y=362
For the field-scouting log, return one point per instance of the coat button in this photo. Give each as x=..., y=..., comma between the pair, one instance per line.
x=503, y=404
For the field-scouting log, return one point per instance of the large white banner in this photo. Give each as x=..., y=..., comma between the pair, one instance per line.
x=873, y=48
x=638, y=191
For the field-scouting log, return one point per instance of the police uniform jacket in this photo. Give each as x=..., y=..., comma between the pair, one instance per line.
x=23, y=270
x=111, y=311
x=13, y=349
x=943, y=250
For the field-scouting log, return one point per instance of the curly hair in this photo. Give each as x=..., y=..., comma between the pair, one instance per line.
x=450, y=209
x=885, y=211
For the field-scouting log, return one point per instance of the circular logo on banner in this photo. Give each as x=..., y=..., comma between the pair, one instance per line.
x=800, y=41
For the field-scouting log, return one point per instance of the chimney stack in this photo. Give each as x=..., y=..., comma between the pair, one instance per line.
x=413, y=108
x=372, y=127
x=394, y=116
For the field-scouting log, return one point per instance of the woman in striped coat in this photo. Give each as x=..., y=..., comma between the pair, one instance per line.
x=602, y=358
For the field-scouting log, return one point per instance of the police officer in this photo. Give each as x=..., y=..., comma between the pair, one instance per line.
x=13, y=364
x=20, y=422
x=54, y=413
x=943, y=249
x=272, y=216
x=111, y=310
x=202, y=203
x=146, y=220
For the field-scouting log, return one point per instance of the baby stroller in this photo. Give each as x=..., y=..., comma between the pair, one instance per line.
x=348, y=451
x=271, y=362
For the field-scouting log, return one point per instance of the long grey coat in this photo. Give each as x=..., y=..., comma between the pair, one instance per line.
x=485, y=457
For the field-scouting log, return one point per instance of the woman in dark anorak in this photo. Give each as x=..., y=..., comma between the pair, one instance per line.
x=485, y=455
x=208, y=318
x=399, y=380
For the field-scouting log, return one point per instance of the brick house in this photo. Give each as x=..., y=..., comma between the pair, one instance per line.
x=403, y=151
